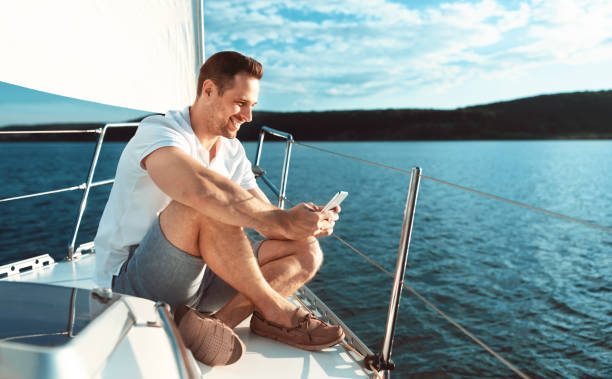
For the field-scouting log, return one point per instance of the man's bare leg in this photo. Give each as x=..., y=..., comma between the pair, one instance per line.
x=227, y=251
x=286, y=265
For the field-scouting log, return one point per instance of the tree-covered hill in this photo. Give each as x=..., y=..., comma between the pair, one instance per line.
x=558, y=116
x=568, y=115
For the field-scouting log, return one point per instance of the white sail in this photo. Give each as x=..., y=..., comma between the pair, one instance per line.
x=141, y=54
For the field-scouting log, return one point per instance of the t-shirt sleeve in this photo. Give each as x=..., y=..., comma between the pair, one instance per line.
x=244, y=173
x=157, y=133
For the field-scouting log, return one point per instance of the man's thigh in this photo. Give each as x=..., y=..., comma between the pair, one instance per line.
x=181, y=226
x=159, y=271
x=215, y=291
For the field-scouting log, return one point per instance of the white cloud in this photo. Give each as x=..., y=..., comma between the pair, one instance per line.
x=571, y=31
x=320, y=51
x=515, y=19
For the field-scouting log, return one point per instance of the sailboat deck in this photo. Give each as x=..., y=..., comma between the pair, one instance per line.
x=263, y=358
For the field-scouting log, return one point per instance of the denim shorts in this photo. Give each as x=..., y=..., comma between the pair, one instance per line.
x=159, y=271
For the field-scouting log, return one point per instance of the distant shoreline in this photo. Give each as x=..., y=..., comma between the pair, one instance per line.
x=568, y=116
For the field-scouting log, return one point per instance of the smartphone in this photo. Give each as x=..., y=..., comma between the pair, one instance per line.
x=336, y=200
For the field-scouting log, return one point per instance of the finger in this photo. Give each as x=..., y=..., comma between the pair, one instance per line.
x=324, y=232
x=330, y=215
x=325, y=224
x=311, y=207
x=337, y=209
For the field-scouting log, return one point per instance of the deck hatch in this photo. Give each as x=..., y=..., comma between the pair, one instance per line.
x=43, y=315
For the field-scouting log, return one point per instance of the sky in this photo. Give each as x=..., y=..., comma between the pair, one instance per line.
x=380, y=54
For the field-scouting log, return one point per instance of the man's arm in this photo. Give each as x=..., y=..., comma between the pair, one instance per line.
x=187, y=181
x=258, y=193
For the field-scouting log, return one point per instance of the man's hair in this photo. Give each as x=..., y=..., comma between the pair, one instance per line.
x=223, y=66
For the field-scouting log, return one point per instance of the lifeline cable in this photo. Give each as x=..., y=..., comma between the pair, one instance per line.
x=81, y=186
x=495, y=197
x=530, y=207
x=50, y=131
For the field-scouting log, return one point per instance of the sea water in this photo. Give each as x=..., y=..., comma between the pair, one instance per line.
x=536, y=289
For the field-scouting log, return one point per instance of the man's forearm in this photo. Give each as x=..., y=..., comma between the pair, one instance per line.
x=221, y=199
x=258, y=193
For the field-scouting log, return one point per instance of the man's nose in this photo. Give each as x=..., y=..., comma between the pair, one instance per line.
x=246, y=113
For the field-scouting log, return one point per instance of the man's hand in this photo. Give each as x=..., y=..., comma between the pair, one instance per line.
x=329, y=220
x=306, y=220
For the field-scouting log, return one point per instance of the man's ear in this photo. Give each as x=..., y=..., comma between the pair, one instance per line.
x=208, y=87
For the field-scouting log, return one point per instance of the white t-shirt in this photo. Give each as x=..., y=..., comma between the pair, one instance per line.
x=135, y=201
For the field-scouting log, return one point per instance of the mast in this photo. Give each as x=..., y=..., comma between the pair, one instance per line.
x=201, y=45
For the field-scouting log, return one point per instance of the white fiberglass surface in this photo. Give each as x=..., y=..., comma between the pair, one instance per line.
x=264, y=358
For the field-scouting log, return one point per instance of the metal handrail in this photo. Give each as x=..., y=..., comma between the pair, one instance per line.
x=277, y=133
x=83, y=186
x=286, y=161
x=400, y=269
x=183, y=363
x=92, y=169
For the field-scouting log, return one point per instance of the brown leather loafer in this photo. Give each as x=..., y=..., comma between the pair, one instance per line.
x=210, y=340
x=310, y=333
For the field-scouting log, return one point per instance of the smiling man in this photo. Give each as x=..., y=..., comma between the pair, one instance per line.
x=172, y=229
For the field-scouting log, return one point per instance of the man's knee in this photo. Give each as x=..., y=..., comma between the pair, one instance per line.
x=181, y=213
x=189, y=229
x=310, y=256
x=185, y=216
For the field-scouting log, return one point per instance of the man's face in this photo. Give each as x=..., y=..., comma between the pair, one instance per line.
x=234, y=107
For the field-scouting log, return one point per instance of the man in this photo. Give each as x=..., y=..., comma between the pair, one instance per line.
x=172, y=229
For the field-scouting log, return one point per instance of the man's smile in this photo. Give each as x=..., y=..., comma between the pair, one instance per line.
x=235, y=123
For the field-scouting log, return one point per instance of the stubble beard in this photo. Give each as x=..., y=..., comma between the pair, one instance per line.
x=225, y=128
x=228, y=129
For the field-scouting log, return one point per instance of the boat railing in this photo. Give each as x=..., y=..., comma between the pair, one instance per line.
x=375, y=361
x=85, y=186
x=184, y=364
x=382, y=360
x=181, y=356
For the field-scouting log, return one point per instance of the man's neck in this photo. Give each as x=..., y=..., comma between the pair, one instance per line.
x=200, y=129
